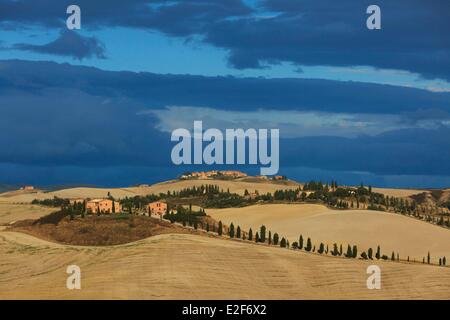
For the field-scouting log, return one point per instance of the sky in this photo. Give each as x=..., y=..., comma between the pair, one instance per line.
x=96, y=106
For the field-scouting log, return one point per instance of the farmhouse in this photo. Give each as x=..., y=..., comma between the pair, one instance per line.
x=103, y=206
x=27, y=188
x=214, y=173
x=157, y=208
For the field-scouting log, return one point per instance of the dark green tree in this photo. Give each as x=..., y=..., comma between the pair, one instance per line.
x=300, y=242
x=355, y=251
x=370, y=254
x=219, y=230
x=321, y=248
x=250, y=234
x=308, y=245
x=238, y=232
x=349, y=253
x=276, y=238
x=335, y=251
x=231, y=232
x=262, y=233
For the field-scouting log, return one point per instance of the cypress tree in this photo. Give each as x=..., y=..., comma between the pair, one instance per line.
x=231, y=230
x=428, y=258
x=275, y=239
x=321, y=248
x=250, y=234
x=308, y=245
x=355, y=251
x=270, y=238
x=283, y=243
x=300, y=242
x=219, y=231
x=340, y=250
x=378, y=254
x=444, y=261
x=262, y=233
x=238, y=232
x=349, y=253
x=335, y=251
x=370, y=253
x=393, y=256
x=257, y=237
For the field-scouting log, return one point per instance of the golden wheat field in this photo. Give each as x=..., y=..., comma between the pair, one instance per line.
x=234, y=186
x=175, y=185
x=188, y=266
x=10, y=212
x=198, y=267
x=364, y=228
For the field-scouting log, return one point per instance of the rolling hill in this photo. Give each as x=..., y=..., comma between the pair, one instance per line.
x=364, y=228
x=196, y=267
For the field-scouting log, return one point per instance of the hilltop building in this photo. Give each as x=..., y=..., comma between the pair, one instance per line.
x=214, y=173
x=103, y=206
x=157, y=209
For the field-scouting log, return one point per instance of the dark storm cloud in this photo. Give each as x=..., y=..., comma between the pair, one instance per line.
x=70, y=44
x=229, y=93
x=173, y=17
x=303, y=32
x=334, y=33
x=65, y=126
x=61, y=115
x=404, y=152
